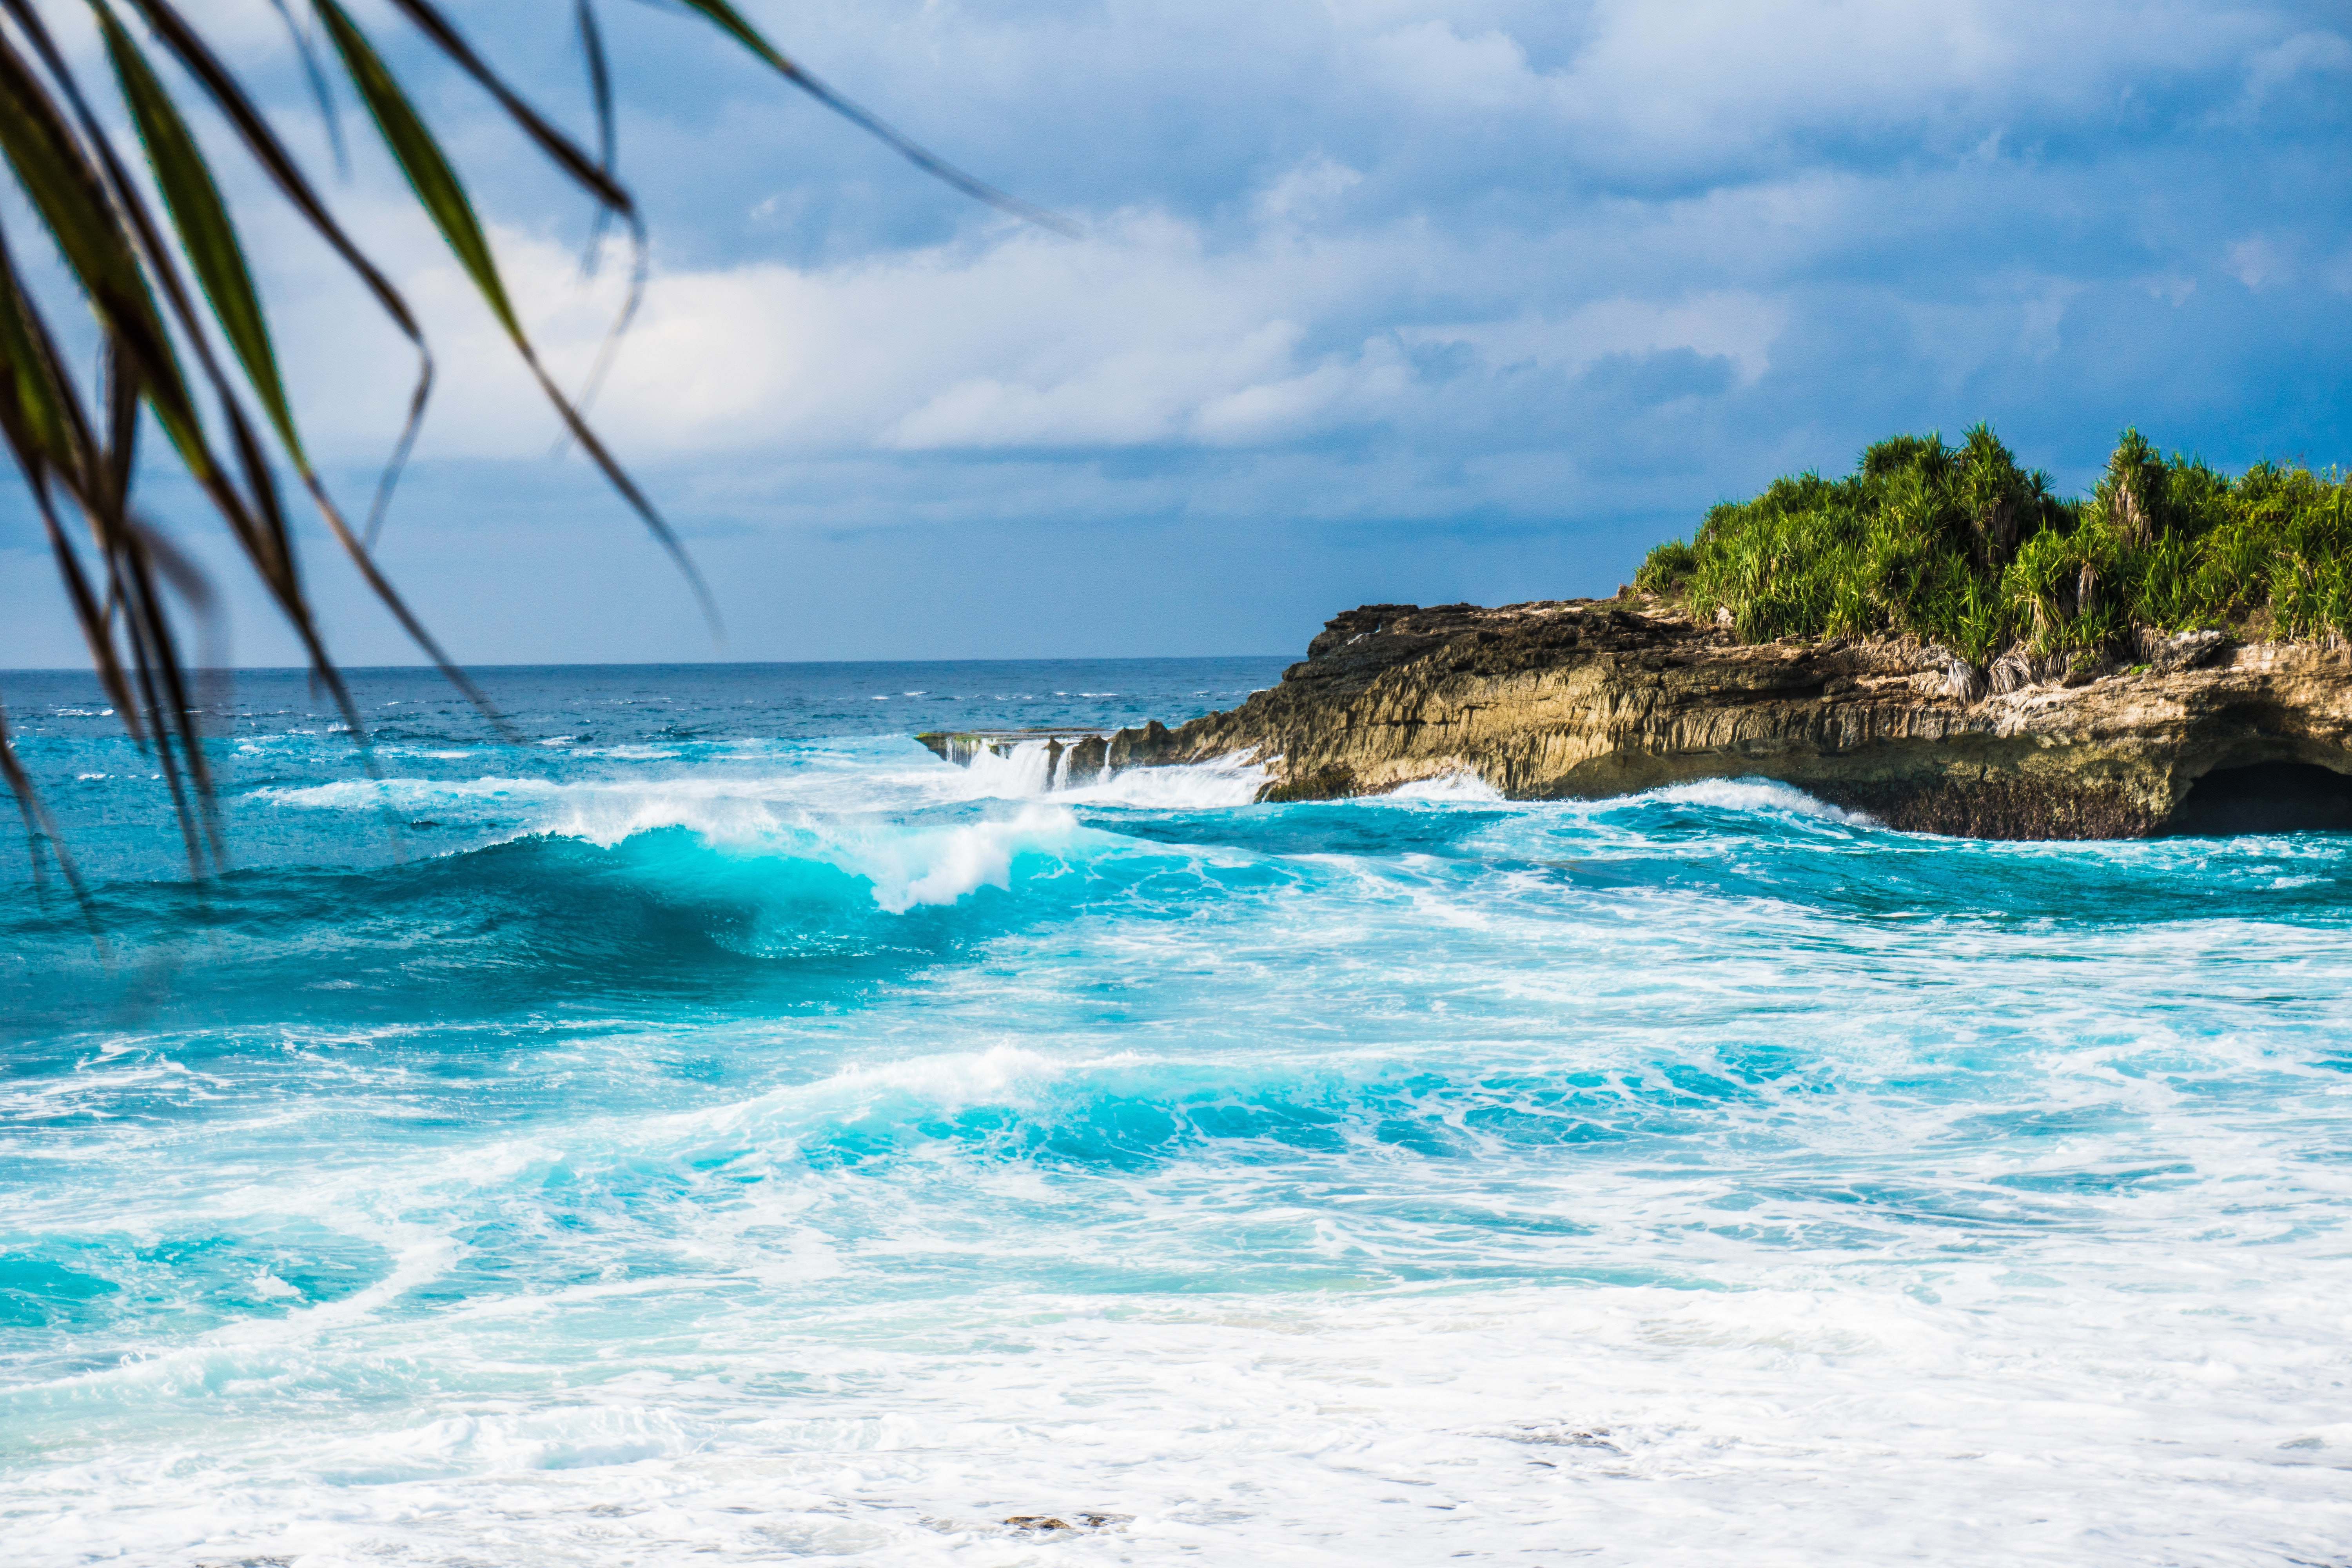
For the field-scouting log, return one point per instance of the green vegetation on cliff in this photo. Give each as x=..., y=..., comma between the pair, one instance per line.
x=1960, y=546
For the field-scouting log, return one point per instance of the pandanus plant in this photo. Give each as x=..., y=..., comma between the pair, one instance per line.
x=151, y=280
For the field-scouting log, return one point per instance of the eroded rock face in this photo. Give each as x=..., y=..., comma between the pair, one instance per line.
x=1596, y=698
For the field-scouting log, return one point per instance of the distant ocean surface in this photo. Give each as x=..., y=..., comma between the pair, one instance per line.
x=715, y=1131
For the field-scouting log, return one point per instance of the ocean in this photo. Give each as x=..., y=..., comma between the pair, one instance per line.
x=716, y=1131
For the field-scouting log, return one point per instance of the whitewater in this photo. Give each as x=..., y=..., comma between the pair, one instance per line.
x=707, y=1128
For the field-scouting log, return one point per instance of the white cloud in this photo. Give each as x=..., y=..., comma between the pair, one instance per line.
x=2255, y=262
x=1449, y=221
x=1284, y=307
x=2306, y=54
x=2042, y=316
x=1428, y=65
x=1729, y=324
x=1705, y=84
x=1573, y=264
x=1308, y=194
x=1141, y=333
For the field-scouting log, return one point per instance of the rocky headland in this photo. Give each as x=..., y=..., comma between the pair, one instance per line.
x=1585, y=699
x=1937, y=639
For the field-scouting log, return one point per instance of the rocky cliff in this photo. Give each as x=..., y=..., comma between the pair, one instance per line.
x=1595, y=698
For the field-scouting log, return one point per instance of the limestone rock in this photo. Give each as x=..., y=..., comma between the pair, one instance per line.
x=1597, y=698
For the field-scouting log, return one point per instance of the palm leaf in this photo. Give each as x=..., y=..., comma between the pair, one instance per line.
x=41, y=829
x=610, y=197
x=443, y=194
x=600, y=95
x=730, y=21
x=559, y=148
x=123, y=581
x=197, y=58
x=74, y=203
x=207, y=238
x=318, y=80
x=600, y=92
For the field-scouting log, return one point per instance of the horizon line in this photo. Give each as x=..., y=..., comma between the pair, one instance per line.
x=234, y=670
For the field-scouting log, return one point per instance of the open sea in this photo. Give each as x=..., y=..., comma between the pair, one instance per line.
x=715, y=1131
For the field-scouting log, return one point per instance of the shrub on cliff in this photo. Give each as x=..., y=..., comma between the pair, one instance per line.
x=1960, y=546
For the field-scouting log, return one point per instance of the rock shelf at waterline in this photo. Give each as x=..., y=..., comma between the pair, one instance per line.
x=1596, y=698
x=1045, y=759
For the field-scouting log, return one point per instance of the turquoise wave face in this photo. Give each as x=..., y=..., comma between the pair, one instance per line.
x=716, y=1129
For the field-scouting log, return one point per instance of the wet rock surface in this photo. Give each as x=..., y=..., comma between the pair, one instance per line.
x=1598, y=697
x=1045, y=1522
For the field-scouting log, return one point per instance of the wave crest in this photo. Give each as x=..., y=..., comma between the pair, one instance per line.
x=908, y=864
x=1460, y=786
x=1754, y=795
x=940, y=866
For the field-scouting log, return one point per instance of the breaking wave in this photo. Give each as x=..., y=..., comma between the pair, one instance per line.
x=714, y=1134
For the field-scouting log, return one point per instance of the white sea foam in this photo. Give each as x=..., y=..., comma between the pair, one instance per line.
x=1755, y=795
x=404, y=794
x=1031, y=771
x=1526, y=1190
x=1994, y=1422
x=1229, y=781
x=940, y=866
x=909, y=865
x=1462, y=787
x=1027, y=772
x=1000, y=1075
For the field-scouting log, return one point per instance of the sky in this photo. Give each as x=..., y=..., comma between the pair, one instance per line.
x=1414, y=301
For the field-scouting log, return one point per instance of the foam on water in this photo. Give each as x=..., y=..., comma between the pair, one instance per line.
x=1753, y=794
x=940, y=865
x=793, y=1147
x=1465, y=788
x=908, y=864
x=1225, y=781
x=1029, y=771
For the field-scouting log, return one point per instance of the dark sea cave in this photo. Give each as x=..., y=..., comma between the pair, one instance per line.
x=2265, y=797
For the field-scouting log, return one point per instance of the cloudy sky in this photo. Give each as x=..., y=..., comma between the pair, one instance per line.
x=1405, y=300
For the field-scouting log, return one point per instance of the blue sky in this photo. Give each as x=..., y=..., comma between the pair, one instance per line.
x=1371, y=300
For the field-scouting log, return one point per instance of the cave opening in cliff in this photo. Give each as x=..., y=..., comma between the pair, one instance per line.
x=2266, y=797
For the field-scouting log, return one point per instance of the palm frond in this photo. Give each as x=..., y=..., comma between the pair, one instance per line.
x=600, y=97
x=162, y=291
x=443, y=194
x=266, y=149
x=320, y=92
x=730, y=22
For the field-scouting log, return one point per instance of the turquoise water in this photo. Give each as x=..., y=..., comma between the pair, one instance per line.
x=716, y=1131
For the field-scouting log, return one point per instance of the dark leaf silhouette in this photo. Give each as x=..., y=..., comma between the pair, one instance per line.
x=162, y=292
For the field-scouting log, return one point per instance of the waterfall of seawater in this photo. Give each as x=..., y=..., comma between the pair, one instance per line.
x=1024, y=768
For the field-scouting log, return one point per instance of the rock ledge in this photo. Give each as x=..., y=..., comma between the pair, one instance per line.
x=1596, y=698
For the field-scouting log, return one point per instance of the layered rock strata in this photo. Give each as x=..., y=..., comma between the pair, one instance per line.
x=1598, y=697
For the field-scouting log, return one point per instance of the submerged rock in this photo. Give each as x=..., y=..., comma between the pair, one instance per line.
x=1047, y=1522
x=1597, y=698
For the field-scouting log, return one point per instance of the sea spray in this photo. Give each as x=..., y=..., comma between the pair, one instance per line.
x=733, y=1134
